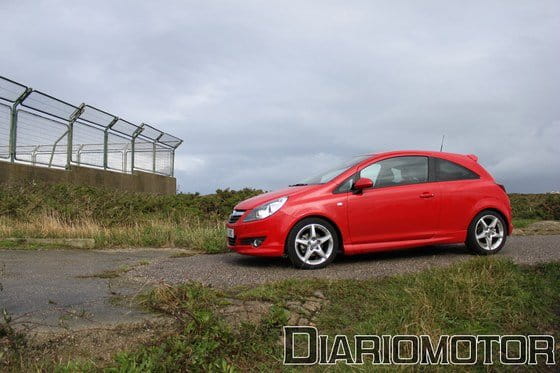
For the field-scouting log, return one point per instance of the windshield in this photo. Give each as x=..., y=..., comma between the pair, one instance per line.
x=331, y=173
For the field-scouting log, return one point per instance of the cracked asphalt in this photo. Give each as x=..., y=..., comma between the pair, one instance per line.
x=59, y=288
x=63, y=287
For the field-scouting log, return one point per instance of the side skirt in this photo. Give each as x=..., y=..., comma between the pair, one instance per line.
x=448, y=238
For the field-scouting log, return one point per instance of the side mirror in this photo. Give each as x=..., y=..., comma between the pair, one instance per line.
x=361, y=184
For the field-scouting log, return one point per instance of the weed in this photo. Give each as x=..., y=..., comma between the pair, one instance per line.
x=12, y=342
x=523, y=223
x=116, y=219
x=536, y=206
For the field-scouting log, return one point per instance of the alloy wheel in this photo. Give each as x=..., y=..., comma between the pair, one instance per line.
x=489, y=232
x=314, y=244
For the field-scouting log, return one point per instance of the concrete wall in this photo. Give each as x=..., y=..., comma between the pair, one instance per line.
x=138, y=182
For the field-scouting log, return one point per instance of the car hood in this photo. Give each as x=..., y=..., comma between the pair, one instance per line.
x=253, y=202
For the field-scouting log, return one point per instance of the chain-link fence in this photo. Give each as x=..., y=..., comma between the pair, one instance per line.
x=42, y=130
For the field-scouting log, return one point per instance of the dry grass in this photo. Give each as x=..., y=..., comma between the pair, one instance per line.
x=207, y=236
x=117, y=218
x=47, y=226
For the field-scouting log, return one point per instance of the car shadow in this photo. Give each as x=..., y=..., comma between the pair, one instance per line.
x=410, y=253
x=388, y=255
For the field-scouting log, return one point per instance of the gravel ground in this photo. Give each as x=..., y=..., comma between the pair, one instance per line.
x=70, y=288
x=226, y=270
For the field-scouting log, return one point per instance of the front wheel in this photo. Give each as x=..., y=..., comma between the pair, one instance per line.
x=312, y=243
x=487, y=233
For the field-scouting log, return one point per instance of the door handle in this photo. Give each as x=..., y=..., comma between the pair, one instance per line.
x=427, y=195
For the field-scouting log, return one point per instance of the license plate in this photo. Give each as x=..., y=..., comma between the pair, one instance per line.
x=230, y=233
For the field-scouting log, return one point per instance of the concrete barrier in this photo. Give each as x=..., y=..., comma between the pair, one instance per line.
x=17, y=173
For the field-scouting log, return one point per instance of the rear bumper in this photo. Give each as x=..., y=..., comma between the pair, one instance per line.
x=273, y=228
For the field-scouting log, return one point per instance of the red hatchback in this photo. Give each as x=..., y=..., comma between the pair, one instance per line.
x=377, y=202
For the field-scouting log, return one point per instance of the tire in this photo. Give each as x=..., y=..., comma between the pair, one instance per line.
x=487, y=233
x=320, y=249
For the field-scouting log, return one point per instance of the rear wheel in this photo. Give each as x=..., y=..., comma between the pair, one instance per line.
x=312, y=243
x=487, y=233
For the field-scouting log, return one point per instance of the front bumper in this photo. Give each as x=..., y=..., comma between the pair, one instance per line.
x=273, y=228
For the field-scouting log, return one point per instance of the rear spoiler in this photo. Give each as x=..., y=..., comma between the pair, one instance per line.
x=473, y=157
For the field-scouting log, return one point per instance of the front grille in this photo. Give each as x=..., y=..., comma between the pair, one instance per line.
x=231, y=241
x=234, y=217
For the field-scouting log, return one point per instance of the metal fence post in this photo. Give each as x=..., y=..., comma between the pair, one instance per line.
x=133, y=142
x=13, y=123
x=56, y=144
x=155, y=151
x=79, y=153
x=106, y=140
x=73, y=118
x=34, y=155
x=172, y=172
x=154, y=157
x=173, y=158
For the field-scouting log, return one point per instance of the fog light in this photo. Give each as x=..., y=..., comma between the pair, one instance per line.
x=253, y=241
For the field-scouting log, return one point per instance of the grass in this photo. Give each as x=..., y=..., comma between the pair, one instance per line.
x=206, y=236
x=117, y=219
x=72, y=204
x=523, y=223
x=535, y=206
x=482, y=296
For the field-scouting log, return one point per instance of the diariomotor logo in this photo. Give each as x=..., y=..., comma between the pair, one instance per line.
x=303, y=345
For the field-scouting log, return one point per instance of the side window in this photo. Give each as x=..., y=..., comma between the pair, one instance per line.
x=371, y=172
x=449, y=171
x=397, y=171
x=346, y=186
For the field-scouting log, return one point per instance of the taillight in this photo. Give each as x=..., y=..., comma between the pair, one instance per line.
x=503, y=188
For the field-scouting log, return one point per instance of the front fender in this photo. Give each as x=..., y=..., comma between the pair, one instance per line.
x=333, y=210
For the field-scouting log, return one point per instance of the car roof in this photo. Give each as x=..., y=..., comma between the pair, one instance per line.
x=413, y=151
x=427, y=153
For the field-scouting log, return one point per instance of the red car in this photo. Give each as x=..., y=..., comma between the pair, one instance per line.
x=377, y=202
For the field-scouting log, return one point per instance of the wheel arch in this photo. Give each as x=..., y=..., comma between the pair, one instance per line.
x=496, y=210
x=317, y=216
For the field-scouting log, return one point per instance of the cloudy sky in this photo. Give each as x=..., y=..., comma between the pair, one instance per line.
x=265, y=93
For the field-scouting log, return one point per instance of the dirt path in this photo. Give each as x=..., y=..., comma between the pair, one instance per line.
x=78, y=288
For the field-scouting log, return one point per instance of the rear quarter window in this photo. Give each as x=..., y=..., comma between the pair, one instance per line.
x=448, y=171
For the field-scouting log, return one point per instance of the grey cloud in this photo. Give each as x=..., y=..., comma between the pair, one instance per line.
x=265, y=93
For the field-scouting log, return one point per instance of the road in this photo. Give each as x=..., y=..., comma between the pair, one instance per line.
x=74, y=287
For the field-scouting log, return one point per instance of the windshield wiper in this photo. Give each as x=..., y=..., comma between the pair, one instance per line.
x=299, y=184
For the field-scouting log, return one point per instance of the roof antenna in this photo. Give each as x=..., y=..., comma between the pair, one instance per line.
x=441, y=146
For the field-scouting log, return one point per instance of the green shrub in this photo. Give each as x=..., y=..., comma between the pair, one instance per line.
x=536, y=206
x=110, y=208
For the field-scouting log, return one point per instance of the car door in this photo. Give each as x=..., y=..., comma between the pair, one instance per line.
x=402, y=205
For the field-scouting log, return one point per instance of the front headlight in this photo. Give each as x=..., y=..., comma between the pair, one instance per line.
x=264, y=211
